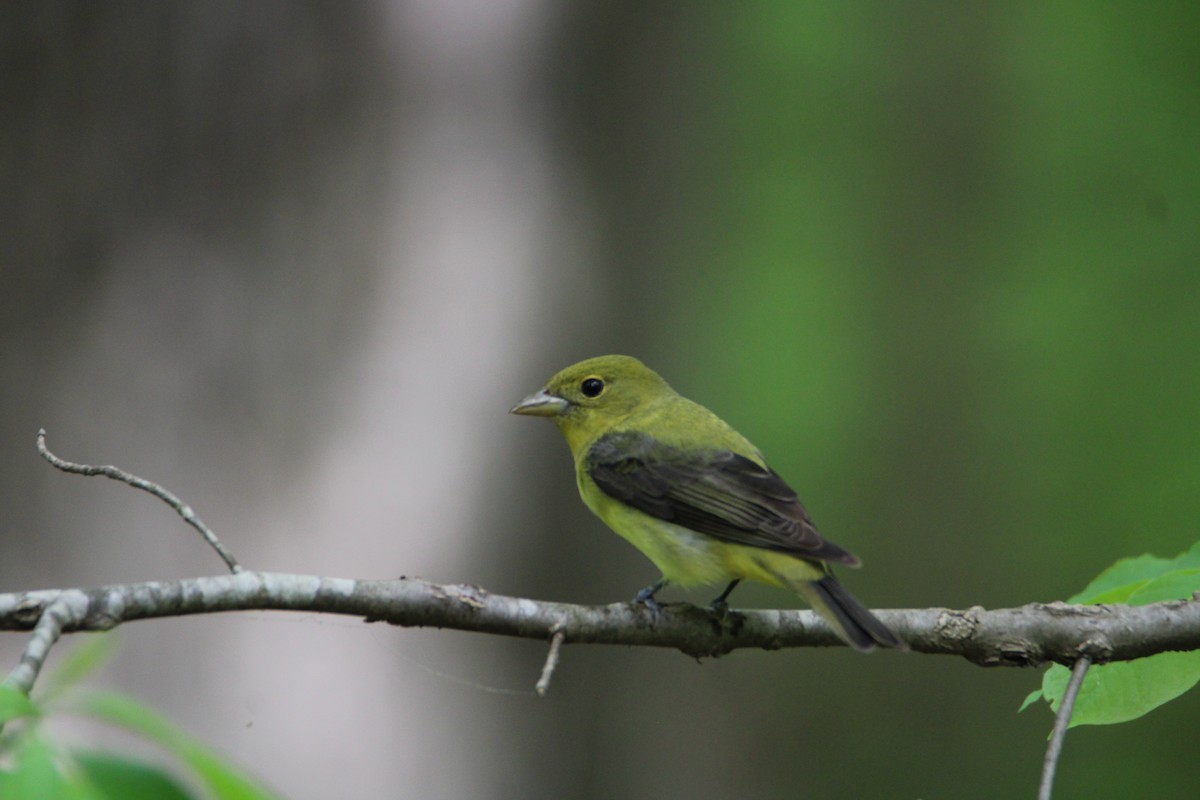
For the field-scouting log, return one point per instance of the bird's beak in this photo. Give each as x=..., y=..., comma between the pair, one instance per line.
x=540, y=404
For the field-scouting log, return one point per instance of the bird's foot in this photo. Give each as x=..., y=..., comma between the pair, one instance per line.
x=719, y=606
x=646, y=597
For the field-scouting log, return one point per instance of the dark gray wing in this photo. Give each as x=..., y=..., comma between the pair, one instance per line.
x=720, y=493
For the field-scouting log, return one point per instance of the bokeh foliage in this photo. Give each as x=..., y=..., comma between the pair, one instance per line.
x=941, y=262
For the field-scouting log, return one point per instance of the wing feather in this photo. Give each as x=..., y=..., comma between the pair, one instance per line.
x=721, y=493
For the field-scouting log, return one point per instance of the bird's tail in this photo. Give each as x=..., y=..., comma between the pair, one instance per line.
x=854, y=624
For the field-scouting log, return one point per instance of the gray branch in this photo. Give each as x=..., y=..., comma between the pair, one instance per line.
x=1025, y=636
x=51, y=616
x=117, y=474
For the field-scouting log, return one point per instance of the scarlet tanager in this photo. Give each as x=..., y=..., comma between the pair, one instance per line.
x=692, y=493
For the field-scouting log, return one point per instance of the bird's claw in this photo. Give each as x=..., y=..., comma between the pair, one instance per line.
x=719, y=608
x=646, y=598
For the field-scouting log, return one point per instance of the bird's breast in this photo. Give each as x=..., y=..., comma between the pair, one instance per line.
x=684, y=557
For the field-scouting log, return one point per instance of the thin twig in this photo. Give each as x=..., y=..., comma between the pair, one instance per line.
x=1061, y=722
x=65, y=611
x=556, y=642
x=167, y=497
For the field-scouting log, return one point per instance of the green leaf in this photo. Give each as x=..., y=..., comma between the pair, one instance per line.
x=122, y=778
x=1125, y=572
x=1031, y=698
x=14, y=703
x=1130, y=571
x=1178, y=585
x=33, y=773
x=223, y=779
x=93, y=652
x=1124, y=690
x=36, y=775
x=1114, y=596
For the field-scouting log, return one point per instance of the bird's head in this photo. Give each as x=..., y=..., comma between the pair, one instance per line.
x=592, y=397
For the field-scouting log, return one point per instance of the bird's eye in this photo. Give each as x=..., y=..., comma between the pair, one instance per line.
x=591, y=387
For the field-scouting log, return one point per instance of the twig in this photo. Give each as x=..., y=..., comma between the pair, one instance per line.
x=167, y=497
x=64, y=611
x=556, y=642
x=1061, y=722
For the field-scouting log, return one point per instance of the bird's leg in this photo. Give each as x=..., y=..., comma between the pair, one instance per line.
x=646, y=596
x=719, y=606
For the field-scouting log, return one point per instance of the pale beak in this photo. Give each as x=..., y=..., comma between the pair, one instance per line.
x=540, y=404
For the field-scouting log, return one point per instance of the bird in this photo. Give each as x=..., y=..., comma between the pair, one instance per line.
x=692, y=494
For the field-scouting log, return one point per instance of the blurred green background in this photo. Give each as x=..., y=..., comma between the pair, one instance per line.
x=939, y=261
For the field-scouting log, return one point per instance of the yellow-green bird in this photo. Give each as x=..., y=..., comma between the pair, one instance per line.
x=692, y=493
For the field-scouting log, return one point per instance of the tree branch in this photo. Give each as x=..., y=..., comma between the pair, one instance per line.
x=118, y=474
x=1024, y=636
x=60, y=612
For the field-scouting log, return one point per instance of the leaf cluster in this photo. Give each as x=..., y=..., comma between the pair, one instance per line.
x=35, y=766
x=1126, y=690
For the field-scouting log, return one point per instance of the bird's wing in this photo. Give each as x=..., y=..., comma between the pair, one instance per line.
x=720, y=493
